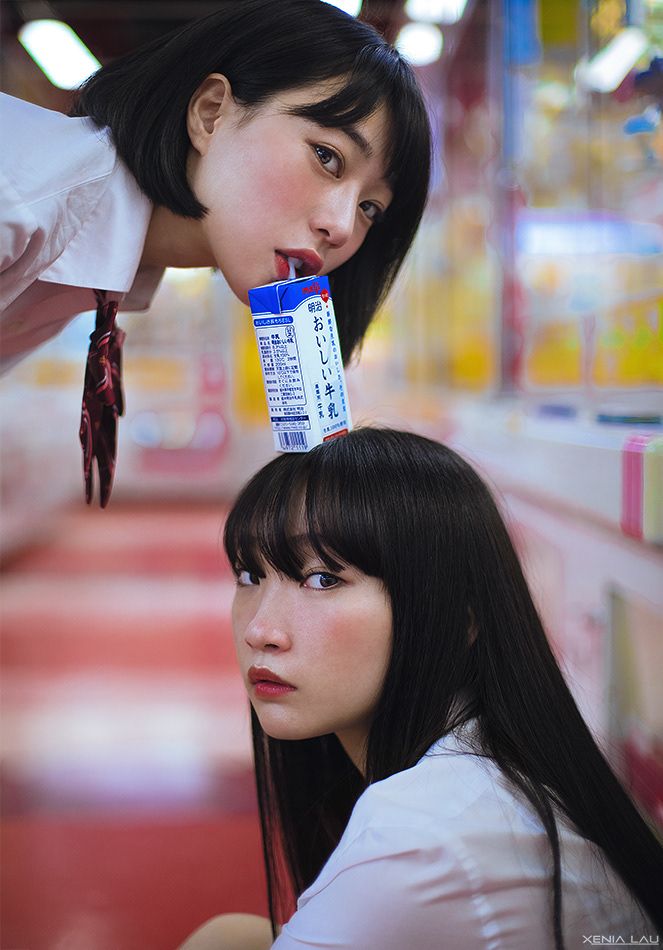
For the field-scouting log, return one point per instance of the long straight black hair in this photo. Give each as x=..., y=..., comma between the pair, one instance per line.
x=265, y=47
x=411, y=512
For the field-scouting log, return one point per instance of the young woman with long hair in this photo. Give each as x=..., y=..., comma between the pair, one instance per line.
x=425, y=778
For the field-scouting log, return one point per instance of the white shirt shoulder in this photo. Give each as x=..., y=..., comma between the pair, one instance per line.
x=445, y=855
x=53, y=171
x=72, y=219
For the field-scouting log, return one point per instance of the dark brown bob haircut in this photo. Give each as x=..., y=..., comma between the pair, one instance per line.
x=265, y=47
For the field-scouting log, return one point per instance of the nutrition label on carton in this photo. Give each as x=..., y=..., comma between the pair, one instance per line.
x=301, y=362
x=281, y=366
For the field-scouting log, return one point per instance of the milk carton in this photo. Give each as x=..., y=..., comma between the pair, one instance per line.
x=301, y=361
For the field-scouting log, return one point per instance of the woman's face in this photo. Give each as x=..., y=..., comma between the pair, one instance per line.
x=328, y=637
x=278, y=185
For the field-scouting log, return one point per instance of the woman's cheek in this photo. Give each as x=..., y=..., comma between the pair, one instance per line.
x=352, y=639
x=279, y=190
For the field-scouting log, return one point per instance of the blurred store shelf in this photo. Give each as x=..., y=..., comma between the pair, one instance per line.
x=608, y=472
x=575, y=462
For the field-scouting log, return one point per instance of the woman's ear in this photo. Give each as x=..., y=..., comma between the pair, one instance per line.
x=211, y=102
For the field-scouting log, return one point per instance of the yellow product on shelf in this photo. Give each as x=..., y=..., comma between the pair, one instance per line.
x=472, y=360
x=652, y=499
x=416, y=305
x=559, y=22
x=427, y=319
x=629, y=345
x=248, y=391
x=472, y=350
x=554, y=354
x=168, y=374
x=377, y=354
x=54, y=373
x=450, y=299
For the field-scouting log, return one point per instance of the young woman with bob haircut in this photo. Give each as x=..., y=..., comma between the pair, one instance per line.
x=260, y=129
x=424, y=776
x=263, y=134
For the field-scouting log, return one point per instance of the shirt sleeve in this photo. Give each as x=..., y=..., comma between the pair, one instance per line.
x=387, y=890
x=17, y=224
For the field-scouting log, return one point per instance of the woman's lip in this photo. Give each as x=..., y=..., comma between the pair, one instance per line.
x=267, y=685
x=311, y=260
x=268, y=690
x=260, y=674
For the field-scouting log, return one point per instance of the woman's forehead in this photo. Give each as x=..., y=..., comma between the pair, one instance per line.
x=371, y=134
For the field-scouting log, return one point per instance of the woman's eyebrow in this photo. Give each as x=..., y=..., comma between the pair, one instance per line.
x=352, y=133
x=362, y=144
x=365, y=148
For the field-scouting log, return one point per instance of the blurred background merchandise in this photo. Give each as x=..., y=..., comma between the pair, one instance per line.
x=526, y=331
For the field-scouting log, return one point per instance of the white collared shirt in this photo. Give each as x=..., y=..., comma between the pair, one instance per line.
x=72, y=219
x=447, y=856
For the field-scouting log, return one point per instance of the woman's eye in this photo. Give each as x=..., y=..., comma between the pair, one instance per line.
x=373, y=212
x=247, y=579
x=331, y=160
x=322, y=581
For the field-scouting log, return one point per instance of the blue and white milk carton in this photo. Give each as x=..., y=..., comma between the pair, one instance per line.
x=302, y=366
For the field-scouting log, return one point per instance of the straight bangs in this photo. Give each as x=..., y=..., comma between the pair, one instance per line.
x=300, y=506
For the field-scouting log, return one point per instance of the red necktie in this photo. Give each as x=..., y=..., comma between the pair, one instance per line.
x=103, y=401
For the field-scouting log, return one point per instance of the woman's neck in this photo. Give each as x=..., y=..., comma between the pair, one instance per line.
x=354, y=741
x=175, y=241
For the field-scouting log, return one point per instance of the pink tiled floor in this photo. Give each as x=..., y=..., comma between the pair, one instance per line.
x=128, y=804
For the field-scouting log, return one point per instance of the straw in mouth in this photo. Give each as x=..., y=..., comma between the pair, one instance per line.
x=293, y=262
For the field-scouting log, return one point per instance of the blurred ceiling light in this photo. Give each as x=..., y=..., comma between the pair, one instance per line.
x=352, y=7
x=608, y=69
x=435, y=11
x=420, y=43
x=58, y=51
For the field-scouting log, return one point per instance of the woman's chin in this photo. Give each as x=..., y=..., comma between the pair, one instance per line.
x=289, y=732
x=286, y=734
x=241, y=291
x=239, y=285
x=242, y=294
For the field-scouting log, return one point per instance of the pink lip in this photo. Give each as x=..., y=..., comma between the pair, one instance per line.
x=267, y=685
x=271, y=690
x=311, y=262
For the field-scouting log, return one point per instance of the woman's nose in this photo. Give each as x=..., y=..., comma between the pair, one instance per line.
x=267, y=628
x=335, y=220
